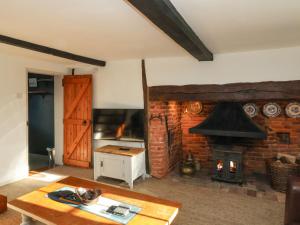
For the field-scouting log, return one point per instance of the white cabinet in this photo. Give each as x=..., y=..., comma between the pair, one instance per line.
x=112, y=166
x=118, y=162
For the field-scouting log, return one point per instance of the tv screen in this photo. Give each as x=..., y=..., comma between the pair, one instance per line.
x=118, y=124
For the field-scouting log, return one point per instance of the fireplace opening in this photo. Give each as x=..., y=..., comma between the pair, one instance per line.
x=230, y=152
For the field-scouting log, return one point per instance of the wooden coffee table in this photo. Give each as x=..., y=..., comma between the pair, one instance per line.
x=36, y=207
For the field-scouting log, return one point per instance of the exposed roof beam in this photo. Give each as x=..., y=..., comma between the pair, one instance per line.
x=236, y=92
x=50, y=51
x=164, y=15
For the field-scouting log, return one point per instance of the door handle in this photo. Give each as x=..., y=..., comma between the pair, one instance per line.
x=101, y=163
x=84, y=122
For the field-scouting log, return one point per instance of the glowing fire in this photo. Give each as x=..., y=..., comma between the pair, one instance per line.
x=120, y=131
x=233, y=166
x=220, y=165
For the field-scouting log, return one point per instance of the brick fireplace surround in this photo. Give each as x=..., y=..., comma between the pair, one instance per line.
x=167, y=147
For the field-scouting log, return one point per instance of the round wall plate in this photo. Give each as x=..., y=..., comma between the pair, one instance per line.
x=293, y=110
x=194, y=108
x=271, y=109
x=251, y=109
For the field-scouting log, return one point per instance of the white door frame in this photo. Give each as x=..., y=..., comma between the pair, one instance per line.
x=58, y=113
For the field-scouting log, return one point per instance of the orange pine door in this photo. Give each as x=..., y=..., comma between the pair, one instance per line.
x=78, y=120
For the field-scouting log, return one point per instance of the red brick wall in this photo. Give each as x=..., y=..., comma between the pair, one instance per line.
x=158, y=155
x=195, y=143
x=180, y=122
x=175, y=133
x=164, y=136
x=257, y=150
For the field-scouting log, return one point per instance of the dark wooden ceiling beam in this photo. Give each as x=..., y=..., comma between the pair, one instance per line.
x=164, y=15
x=146, y=114
x=50, y=51
x=271, y=90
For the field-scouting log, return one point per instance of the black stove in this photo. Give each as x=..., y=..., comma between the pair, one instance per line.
x=226, y=126
x=227, y=163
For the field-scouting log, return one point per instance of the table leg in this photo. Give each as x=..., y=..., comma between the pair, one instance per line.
x=130, y=184
x=26, y=220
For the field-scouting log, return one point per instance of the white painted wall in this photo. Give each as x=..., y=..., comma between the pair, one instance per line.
x=119, y=85
x=265, y=65
x=13, y=112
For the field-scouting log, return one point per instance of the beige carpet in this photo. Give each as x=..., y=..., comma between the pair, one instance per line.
x=201, y=205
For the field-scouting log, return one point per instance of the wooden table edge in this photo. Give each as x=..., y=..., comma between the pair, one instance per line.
x=119, y=152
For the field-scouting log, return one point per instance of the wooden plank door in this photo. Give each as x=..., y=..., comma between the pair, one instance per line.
x=78, y=120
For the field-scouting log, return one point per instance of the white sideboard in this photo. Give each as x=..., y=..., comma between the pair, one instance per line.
x=119, y=162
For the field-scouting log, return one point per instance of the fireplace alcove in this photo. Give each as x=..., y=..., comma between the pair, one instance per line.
x=169, y=137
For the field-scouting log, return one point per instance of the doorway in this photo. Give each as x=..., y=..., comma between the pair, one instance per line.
x=40, y=119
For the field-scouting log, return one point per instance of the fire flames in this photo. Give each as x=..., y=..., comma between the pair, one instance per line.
x=120, y=131
x=220, y=165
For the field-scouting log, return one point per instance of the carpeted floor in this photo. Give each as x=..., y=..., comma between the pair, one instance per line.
x=201, y=205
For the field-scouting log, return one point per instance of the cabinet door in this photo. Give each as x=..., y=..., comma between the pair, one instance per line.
x=112, y=167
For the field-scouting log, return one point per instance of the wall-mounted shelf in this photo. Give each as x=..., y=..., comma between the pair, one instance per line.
x=40, y=92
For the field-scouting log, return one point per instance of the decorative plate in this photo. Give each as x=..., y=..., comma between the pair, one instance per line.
x=271, y=109
x=194, y=108
x=251, y=109
x=293, y=110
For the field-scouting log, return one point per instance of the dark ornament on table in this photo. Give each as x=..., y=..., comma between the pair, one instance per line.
x=88, y=196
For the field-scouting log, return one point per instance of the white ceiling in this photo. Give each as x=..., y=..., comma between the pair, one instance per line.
x=242, y=25
x=112, y=29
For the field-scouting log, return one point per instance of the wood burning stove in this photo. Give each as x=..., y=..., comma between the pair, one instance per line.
x=227, y=163
x=227, y=125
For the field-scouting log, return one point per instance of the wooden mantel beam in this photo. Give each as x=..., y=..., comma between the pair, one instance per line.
x=50, y=51
x=164, y=15
x=270, y=90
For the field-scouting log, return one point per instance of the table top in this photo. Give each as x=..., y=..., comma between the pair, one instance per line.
x=155, y=211
x=117, y=150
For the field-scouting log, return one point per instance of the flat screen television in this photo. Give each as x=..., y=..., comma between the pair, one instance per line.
x=118, y=124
